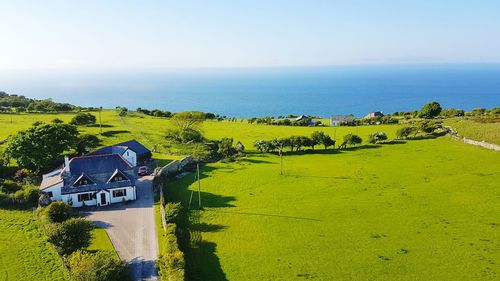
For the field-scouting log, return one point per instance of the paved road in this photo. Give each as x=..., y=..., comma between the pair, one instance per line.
x=132, y=229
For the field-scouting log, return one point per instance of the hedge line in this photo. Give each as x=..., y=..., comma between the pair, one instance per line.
x=171, y=263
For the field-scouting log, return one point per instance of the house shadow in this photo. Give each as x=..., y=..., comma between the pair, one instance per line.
x=141, y=269
x=115, y=132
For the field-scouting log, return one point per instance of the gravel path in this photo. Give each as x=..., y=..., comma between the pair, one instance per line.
x=132, y=230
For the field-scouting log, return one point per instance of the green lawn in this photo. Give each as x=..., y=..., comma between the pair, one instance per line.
x=101, y=241
x=25, y=253
x=423, y=210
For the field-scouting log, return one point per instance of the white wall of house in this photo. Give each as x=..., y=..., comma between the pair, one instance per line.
x=74, y=199
x=56, y=191
x=131, y=157
x=116, y=192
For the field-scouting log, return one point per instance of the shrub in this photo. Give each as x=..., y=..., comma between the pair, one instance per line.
x=352, y=139
x=8, y=186
x=171, y=263
x=83, y=119
x=70, y=235
x=59, y=211
x=378, y=137
x=404, y=132
x=85, y=143
x=172, y=212
x=96, y=266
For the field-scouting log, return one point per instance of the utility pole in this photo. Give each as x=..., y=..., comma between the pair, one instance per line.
x=100, y=120
x=199, y=186
x=281, y=160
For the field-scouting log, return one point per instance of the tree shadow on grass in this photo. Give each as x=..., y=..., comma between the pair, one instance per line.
x=202, y=263
x=115, y=132
x=98, y=126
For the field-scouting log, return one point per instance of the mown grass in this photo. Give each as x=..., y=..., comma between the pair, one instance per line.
x=420, y=210
x=488, y=132
x=25, y=253
x=101, y=241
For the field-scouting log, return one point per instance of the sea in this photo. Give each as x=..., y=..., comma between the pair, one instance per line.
x=260, y=92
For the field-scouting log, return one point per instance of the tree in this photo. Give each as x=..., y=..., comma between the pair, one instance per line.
x=86, y=143
x=226, y=148
x=122, y=111
x=378, y=137
x=352, y=139
x=58, y=211
x=96, y=266
x=70, y=235
x=188, y=120
x=404, y=132
x=430, y=110
x=38, y=146
x=327, y=141
x=317, y=137
x=83, y=119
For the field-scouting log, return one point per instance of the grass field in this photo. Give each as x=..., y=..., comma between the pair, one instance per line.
x=423, y=210
x=101, y=241
x=489, y=132
x=25, y=253
x=416, y=210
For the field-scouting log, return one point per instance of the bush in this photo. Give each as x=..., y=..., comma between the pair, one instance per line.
x=86, y=143
x=70, y=235
x=83, y=119
x=352, y=139
x=404, y=132
x=8, y=186
x=172, y=212
x=96, y=266
x=378, y=137
x=185, y=136
x=58, y=211
x=171, y=263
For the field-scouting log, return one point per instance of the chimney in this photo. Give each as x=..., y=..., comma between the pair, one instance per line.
x=66, y=164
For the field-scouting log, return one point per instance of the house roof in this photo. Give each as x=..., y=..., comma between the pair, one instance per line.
x=92, y=164
x=341, y=117
x=120, y=148
x=135, y=146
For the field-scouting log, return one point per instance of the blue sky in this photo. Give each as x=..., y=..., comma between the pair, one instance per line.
x=192, y=34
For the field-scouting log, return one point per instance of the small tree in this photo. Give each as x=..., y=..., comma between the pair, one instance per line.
x=378, y=137
x=327, y=141
x=430, y=110
x=317, y=137
x=226, y=148
x=83, y=118
x=404, y=132
x=96, y=266
x=172, y=212
x=70, y=235
x=352, y=139
x=58, y=211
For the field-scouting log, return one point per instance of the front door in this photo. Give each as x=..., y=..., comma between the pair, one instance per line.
x=103, y=199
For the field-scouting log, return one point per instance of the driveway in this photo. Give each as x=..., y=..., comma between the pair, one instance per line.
x=132, y=230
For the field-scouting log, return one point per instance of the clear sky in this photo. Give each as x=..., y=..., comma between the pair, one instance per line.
x=148, y=34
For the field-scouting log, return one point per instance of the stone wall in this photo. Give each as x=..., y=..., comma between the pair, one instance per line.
x=478, y=143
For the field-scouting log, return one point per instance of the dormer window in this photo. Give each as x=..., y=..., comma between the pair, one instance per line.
x=117, y=176
x=83, y=180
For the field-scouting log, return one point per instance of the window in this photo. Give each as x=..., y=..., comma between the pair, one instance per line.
x=118, y=177
x=84, y=197
x=120, y=193
x=83, y=180
x=50, y=194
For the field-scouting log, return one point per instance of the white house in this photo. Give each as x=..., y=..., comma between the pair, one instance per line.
x=94, y=180
x=336, y=120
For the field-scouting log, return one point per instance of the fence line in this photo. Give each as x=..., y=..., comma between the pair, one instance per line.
x=477, y=143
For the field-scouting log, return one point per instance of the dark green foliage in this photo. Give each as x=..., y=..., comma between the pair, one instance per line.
x=15, y=193
x=86, y=143
x=226, y=148
x=478, y=111
x=452, y=112
x=377, y=137
x=351, y=139
x=8, y=186
x=430, y=110
x=83, y=119
x=404, y=132
x=58, y=211
x=171, y=263
x=495, y=110
x=189, y=135
x=122, y=111
x=70, y=235
x=96, y=266
x=172, y=212
x=38, y=146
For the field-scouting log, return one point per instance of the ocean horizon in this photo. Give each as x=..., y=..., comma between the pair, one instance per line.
x=258, y=92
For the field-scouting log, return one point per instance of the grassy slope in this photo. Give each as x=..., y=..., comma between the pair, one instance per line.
x=424, y=210
x=25, y=254
x=489, y=132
